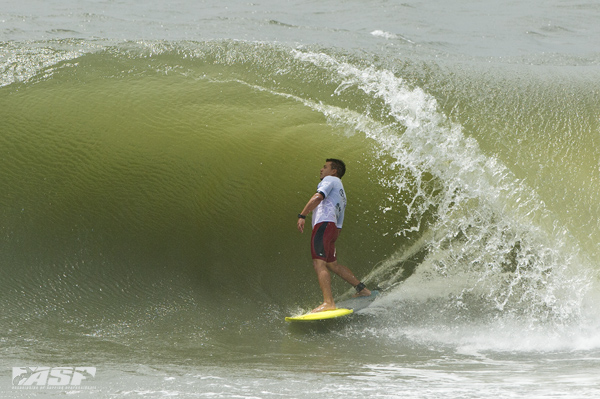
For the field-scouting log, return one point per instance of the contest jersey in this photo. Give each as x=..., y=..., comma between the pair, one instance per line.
x=332, y=208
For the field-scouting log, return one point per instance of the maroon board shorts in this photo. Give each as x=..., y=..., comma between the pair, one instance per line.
x=322, y=242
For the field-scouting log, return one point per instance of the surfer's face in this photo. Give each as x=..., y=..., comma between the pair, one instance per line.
x=326, y=170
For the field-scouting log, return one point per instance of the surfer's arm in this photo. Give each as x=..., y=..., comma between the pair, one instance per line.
x=312, y=203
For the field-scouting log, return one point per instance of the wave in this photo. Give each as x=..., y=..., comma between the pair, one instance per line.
x=164, y=178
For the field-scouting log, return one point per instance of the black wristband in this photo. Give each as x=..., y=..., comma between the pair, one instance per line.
x=301, y=216
x=360, y=286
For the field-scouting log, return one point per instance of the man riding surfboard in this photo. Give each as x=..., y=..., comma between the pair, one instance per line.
x=328, y=206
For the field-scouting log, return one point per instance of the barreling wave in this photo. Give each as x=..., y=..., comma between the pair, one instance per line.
x=164, y=177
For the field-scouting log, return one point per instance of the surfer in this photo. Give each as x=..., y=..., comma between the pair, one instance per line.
x=328, y=206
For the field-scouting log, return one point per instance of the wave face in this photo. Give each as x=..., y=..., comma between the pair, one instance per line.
x=153, y=186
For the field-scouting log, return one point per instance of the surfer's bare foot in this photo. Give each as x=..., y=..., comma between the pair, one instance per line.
x=363, y=292
x=323, y=307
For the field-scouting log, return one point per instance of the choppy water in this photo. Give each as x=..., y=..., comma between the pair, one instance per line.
x=153, y=160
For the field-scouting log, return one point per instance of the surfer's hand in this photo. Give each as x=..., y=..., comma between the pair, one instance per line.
x=301, y=225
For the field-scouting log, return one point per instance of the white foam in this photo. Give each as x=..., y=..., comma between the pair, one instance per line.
x=389, y=36
x=20, y=63
x=385, y=35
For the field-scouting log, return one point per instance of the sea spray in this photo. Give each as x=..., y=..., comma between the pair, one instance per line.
x=491, y=239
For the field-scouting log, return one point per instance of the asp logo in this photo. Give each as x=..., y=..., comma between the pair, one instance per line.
x=51, y=377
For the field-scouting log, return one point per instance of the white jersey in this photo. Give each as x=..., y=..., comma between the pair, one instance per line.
x=332, y=208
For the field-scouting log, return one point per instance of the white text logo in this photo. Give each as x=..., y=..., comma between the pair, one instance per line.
x=51, y=377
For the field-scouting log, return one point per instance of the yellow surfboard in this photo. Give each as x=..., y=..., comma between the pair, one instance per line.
x=327, y=314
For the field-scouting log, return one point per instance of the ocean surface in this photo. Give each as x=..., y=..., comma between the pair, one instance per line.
x=154, y=156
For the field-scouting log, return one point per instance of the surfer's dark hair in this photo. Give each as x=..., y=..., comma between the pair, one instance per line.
x=338, y=165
